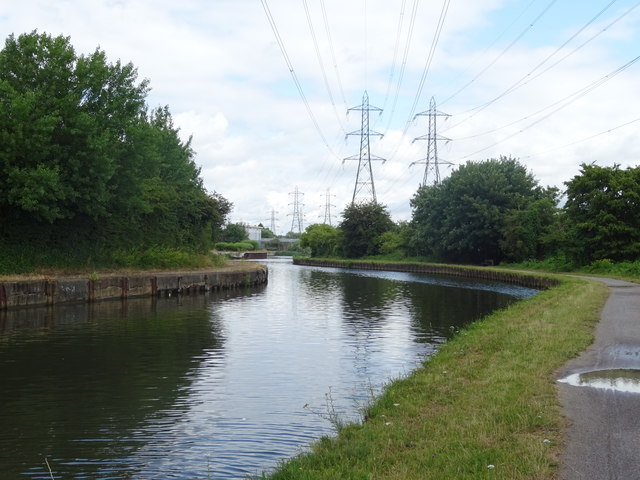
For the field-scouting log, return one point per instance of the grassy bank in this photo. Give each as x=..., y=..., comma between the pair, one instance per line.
x=30, y=260
x=484, y=407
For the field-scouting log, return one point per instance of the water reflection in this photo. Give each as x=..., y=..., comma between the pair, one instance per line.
x=618, y=380
x=212, y=386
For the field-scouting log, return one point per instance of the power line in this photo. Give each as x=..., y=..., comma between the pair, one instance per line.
x=364, y=176
x=501, y=54
x=405, y=55
x=321, y=63
x=565, y=102
x=297, y=217
x=432, y=162
x=521, y=82
x=333, y=54
x=427, y=66
x=280, y=43
x=584, y=139
x=327, y=208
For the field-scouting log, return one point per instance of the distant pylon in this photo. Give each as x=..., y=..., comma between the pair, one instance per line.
x=297, y=216
x=432, y=161
x=327, y=208
x=364, y=177
x=273, y=221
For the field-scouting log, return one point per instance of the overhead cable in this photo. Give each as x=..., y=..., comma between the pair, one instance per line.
x=501, y=54
x=287, y=60
x=321, y=63
x=565, y=102
x=528, y=78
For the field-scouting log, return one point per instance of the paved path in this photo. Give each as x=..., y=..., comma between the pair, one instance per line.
x=603, y=435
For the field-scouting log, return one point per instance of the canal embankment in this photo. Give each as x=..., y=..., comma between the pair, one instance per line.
x=485, y=406
x=538, y=282
x=45, y=290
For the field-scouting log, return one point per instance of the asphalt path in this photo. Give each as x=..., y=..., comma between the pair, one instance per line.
x=603, y=424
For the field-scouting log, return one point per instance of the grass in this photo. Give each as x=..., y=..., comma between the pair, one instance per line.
x=483, y=407
x=629, y=271
x=32, y=261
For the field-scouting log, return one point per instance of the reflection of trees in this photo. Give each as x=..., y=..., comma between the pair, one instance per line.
x=366, y=298
x=439, y=310
x=77, y=390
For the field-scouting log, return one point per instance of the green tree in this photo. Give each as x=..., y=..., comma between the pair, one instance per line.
x=266, y=233
x=322, y=239
x=82, y=157
x=234, y=232
x=602, y=214
x=361, y=227
x=472, y=215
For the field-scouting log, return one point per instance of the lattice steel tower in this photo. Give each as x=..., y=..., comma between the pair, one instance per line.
x=364, y=177
x=327, y=208
x=273, y=221
x=432, y=161
x=297, y=216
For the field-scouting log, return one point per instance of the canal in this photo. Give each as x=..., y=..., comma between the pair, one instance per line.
x=221, y=385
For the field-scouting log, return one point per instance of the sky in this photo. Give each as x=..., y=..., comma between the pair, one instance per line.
x=272, y=91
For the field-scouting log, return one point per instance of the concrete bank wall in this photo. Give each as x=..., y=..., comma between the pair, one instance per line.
x=530, y=281
x=54, y=291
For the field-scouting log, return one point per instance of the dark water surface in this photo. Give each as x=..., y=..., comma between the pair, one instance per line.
x=215, y=386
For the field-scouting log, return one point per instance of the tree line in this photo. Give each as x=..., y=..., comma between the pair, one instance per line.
x=84, y=161
x=88, y=168
x=495, y=211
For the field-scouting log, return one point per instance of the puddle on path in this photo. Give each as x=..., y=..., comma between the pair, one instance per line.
x=620, y=380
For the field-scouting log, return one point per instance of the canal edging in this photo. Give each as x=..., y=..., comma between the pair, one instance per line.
x=96, y=287
x=484, y=405
x=538, y=282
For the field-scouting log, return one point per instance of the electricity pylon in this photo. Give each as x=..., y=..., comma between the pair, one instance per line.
x=327, y=208
x=364, y=177
x=273, y=221
x=297, y=216
x=432, y=161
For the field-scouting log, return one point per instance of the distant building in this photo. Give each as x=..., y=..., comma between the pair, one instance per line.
x=255, y=233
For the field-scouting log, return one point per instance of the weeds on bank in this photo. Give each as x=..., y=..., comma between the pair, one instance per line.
x=18, y=260
x=484, y=407
x=629, y=271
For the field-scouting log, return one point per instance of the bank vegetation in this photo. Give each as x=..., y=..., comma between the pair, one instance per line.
x=485, y=406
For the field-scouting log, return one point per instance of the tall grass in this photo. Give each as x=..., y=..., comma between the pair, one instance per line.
x=29, y=259
x=484, y=407
x=623, y=270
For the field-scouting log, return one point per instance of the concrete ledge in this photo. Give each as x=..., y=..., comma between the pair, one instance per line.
x=539, y=282
x=64, y=290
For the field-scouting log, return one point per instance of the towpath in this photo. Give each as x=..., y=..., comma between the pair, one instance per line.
x=603, y=433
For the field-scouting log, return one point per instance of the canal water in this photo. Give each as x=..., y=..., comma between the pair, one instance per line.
x=216, y=386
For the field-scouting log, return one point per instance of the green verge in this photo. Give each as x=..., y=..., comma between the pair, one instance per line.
x=484, y=407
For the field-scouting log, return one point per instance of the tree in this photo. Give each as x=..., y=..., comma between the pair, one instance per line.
x=361, y=226
x=322, y=239
x=82, y=157
x=472, y=215
x=234, y=232
x=602, y=214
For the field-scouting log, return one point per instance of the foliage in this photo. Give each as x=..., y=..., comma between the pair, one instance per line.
x=322, y=239
x=164, y=258
x=83, y=158
x=266, y=233
x=485, y=211
x=362, y=225
x=20, y=259
x=237, y=246
x=234, y=232
x=602, y=214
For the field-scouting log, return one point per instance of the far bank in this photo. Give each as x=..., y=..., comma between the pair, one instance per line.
x=43, y=290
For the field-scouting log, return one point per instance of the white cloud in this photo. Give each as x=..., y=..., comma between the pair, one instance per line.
x=219, y=68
